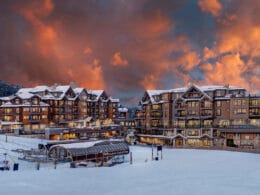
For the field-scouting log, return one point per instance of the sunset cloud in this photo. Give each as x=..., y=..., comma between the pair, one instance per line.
x=211, y=6
x=88, y=51
x=228, y=69
x=117, y=60
x=126, y=47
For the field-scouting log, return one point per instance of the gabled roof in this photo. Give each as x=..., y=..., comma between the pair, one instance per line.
x=62, y=89
x=96, y=93
x=48, y=97
x=40, y=88
x=114, y=100
x=9, y=105
x=24, y=90
x=8, y=98
x=152, y=93
x=78, y=90
x=198, y=89
x=25, y=95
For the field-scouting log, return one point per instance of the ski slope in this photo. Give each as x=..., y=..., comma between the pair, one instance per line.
x=181, y=172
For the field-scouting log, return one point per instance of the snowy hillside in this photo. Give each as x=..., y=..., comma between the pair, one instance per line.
x=180, y=172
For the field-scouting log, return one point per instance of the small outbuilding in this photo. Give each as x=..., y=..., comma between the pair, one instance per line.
x=96, y=151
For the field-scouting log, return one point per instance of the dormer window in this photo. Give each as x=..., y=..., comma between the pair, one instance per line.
x=219, y=93
x=84, y=97
x=35, y=101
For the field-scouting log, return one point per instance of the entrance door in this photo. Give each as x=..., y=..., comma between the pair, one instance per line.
x=230, y=142
x=178, y=142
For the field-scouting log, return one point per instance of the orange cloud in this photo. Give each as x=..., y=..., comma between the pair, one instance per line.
x=237, y=47
x=211, y=6
x=189, y=60
x=88, y=75
x=149, y=82
x=88, y=51
x=255, y=84
x=227, y=70
x=45, y=34
x=207, y=53
x=117, y=60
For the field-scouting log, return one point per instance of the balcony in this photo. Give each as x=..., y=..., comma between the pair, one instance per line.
x=9, y=113
x=36, y=113
x=35, y=120
x=180, y=107
x=193, y=126
x=254, y=105
x=206, y=108
x=254, y=115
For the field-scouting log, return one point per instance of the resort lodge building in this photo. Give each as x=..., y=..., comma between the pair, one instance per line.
x=199, y=116
x=34, y=109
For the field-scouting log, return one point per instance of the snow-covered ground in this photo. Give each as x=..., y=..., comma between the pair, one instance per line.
x=181, y=171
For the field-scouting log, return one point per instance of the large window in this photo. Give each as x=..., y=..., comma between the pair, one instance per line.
x=156, y=107
x=193, y=123
x=223, y=123
x=35, y=101
x=240, y=111
x=25, y=117
x=193, y=112
x=218, y=112
x=239, y=122
x=17, y=110
x=155, y=123
x=207, y=123
x=254, y=102
x=220, y=93
x=8, y=110
x=179, y=124
x=7, y=118
x=239, y=102
x=255, y=122
x=218, y=103
x=193, y=104
x=255, y=111
x=207, y=104
x=193, y=133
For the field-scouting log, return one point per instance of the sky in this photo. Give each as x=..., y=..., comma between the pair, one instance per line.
x=129, y=46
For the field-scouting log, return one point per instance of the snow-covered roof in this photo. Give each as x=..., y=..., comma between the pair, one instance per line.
x=57, y=92
x=114, y=100
x=122, y=109
x=78, y=90
x=152, y=93
x=203, y=89
x=219, y=87
x=80, y=144
x=61, y=88
x=48, y=97
x=25, y=95
x=178, y=90
x=40, y=88
x=98, y=93
x=8, y=98
x=8, y=105
x=24, y=90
